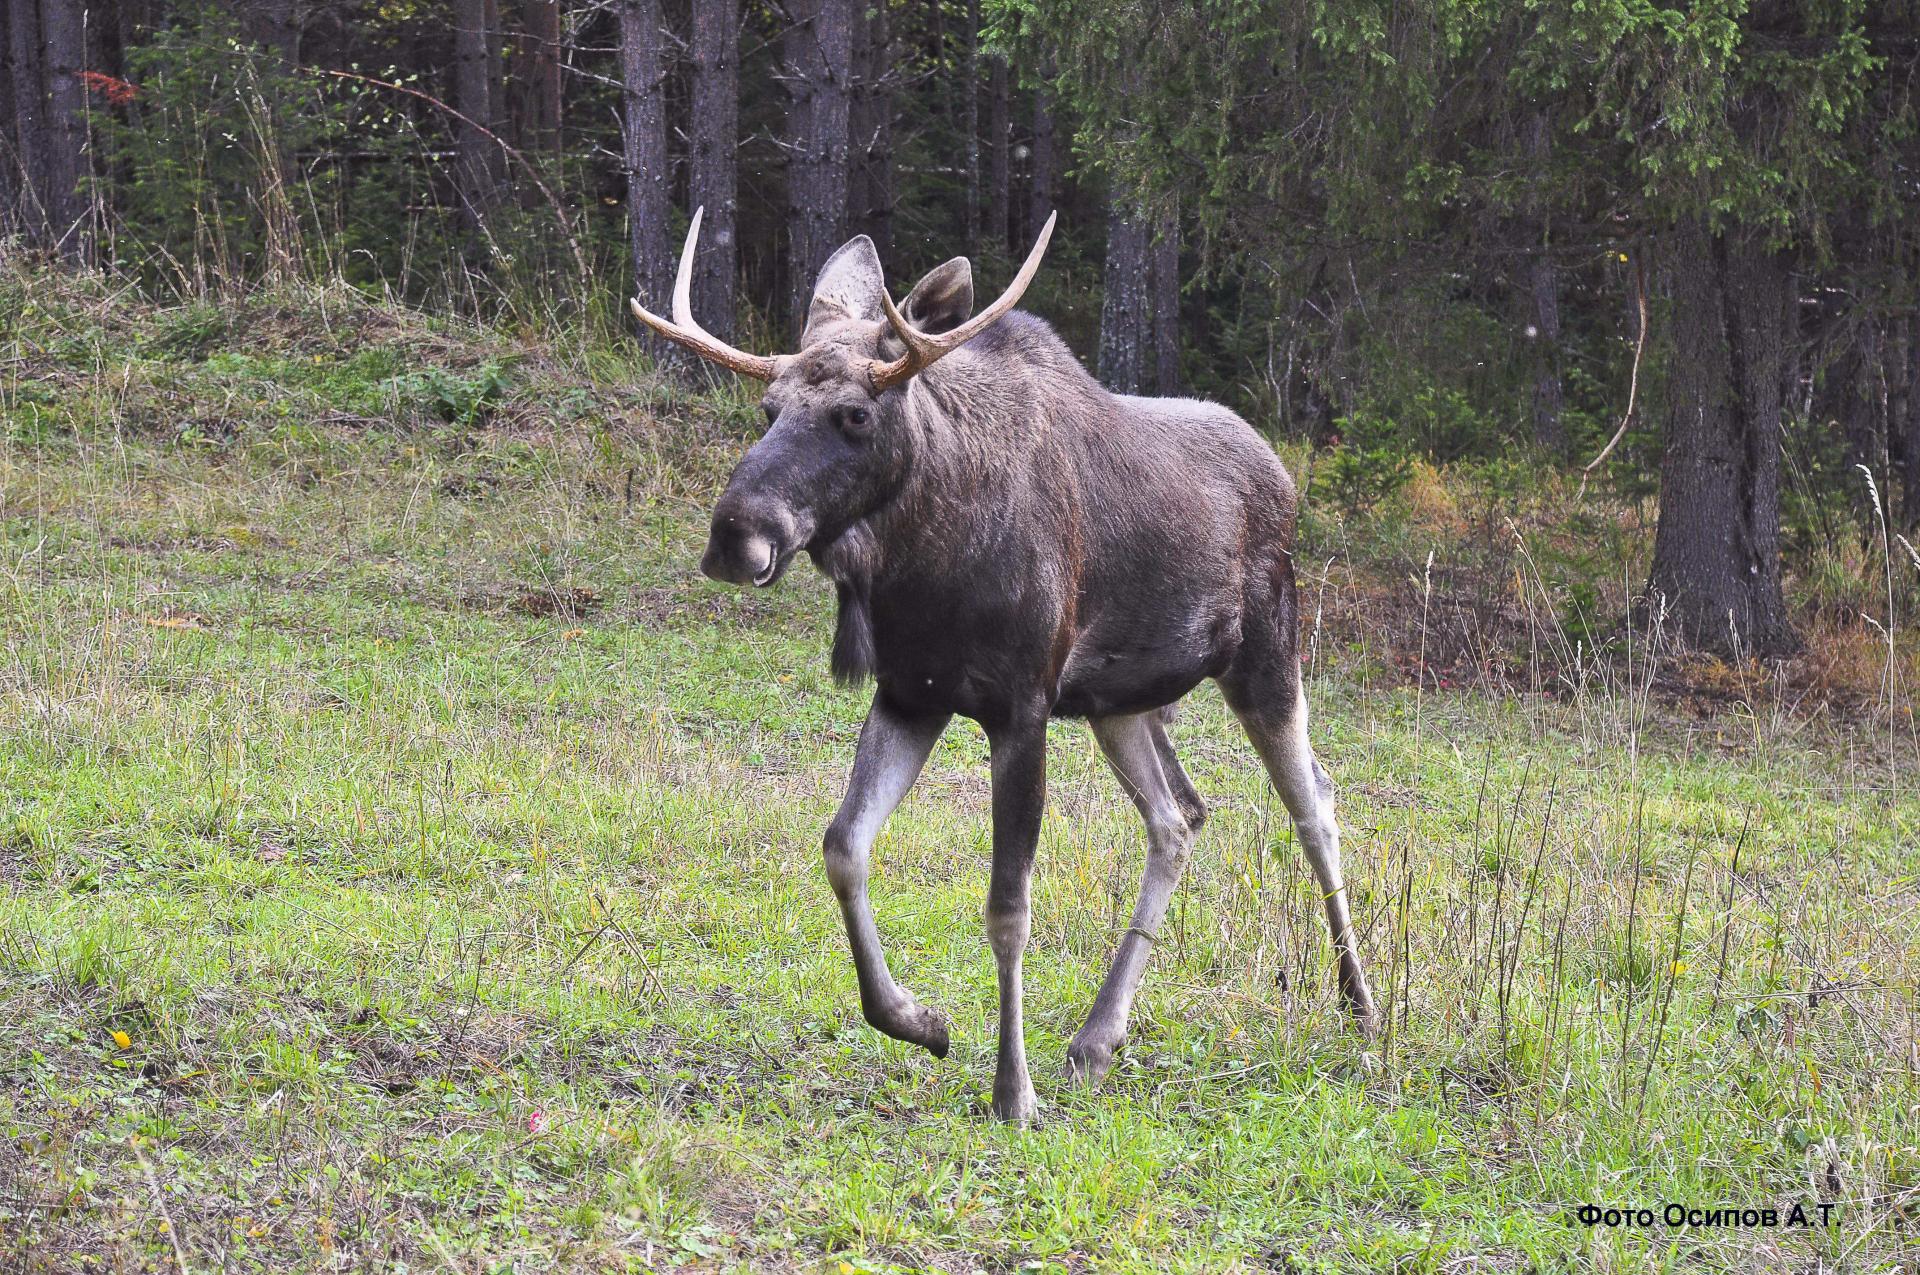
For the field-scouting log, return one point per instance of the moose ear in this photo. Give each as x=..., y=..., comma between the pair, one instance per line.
x=943, y=300
x=849, y=285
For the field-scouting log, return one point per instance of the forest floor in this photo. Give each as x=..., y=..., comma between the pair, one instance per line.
x=407, y=860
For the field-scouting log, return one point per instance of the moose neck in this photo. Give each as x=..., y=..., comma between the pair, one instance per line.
x=979, y=437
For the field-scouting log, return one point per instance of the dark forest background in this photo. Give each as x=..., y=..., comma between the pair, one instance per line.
x=1682, y=238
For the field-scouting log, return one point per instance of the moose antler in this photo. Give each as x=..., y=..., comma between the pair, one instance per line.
x=684, y=331
x=923, y=348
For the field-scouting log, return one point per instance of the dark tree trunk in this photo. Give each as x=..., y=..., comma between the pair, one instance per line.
x=1716, y=552
x=818, y=53
x=970, y=126
x=9, y=168
x=1165, y=268
x=274, y=26
x=63, y=36
x=711, y=161
x=644, y=129
x=870, y=201
x=540, y=128
x=1857, y=401
x=475, y=168
x=880, y=143
x=998, y=110
x=860, y=126
x=499, y=119
x=1124, y=324
x=1549, y=424
x=29, y=119
x=1040, y=184
x=1543, y=295
x=1905, y=429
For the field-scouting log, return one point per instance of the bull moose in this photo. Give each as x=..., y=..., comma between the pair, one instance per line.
x=1011, y=542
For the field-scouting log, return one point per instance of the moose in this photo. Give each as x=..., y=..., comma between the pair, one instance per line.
x=1009, y=541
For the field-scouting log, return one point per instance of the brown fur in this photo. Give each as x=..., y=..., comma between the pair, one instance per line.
x=1011, y=542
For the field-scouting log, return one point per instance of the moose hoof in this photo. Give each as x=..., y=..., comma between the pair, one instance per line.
x=1087, y=1063
x=935, y=1039
x=1016, y=1106
x=913, y=1023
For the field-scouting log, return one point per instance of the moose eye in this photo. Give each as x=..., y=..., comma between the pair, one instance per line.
x=854, y=418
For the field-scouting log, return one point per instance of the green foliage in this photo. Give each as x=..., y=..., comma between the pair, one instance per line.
x=457, y=399
x=1370, y=464
x=201, y=154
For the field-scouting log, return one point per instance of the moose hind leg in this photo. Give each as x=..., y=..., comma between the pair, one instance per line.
x=893, y=748
x=1273, y=709
x=1138, y=750
x=1184, y=793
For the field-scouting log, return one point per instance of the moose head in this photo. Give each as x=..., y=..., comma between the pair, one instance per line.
x=841, y=436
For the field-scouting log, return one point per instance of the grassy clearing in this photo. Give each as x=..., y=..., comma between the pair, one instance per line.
x=407, y=857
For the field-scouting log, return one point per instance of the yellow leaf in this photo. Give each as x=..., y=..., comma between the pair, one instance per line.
x=170, y=622
x=122, y=1040
x=571, y=634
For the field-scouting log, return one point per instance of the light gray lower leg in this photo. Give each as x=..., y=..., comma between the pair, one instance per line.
x=1184, y=793
x=1308, y=793
x=1019, y=801
x=893, y=748
x=1134, y=752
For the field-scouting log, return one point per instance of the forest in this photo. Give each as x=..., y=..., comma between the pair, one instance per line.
x=406, y=857
x=1692, y=229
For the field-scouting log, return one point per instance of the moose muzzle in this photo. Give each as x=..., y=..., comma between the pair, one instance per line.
x=749, y=543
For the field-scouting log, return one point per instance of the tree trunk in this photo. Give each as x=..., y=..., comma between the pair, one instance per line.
x=273, y=25
x=644, y=129
x=870, y=197
x=541, y=127
x=880, y=141
x=1165, y=268
x=860, y=127
x=1903, y=429
x=9, y=169
x=1856, y=400
x=29, y=119
x=1716, y=552
x=818, y=54
x=970, y=127
x=1543, y=293
x=1549, y=425
x=499, y=118
x=63, y=37
x=1040, y=184
x=475, y=170
x=1124, y=326
x=997, y=129
x=711, y=160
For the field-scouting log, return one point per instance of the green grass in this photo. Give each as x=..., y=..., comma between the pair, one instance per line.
x=444, y=850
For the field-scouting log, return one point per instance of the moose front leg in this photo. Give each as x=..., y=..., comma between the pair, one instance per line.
x=1019, y=799
x=893, y=747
